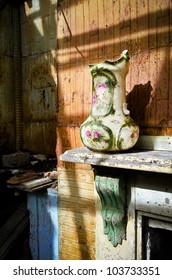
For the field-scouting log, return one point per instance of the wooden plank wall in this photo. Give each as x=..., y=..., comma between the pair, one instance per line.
x=91, y=31
x=76, y=214
x=39, y=76
x=7, y=112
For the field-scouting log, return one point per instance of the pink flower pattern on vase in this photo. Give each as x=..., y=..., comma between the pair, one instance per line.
x=109, y=126
x=101, y=88
x=88, y=133
x=96, y=134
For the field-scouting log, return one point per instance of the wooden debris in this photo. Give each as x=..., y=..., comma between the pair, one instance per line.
x=33, y=185
x=39, y=157
x=22, y=178
x=51, y=174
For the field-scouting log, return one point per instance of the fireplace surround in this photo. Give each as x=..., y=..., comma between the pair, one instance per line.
x=154, y=235
x=133, y=198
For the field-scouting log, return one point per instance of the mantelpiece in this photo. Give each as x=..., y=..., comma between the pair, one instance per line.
x=145, y=160
x=110, y=185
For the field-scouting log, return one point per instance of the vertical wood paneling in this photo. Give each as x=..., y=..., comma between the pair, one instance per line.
x=72, y=27
x=79, y=94
x=170, y=70
x=142, y=15
x=170, y=88
x=163, y=31
x=162, y=112
x=7, y=105
x=162, y=89
x=105, y=28
x=143, y=62
x=86, y=28
x=125, y=24
x=87, y=92
x=152, y=24
x=101, y=19
x=80, y=30
x=153, y=78
x=77, y=232
x=134, y=26
x=66, y=32
x=91, y=31
x=163, y=74
x=39, y=76
x=108, y=27
x=74, y=97
x=170, y=24
x=69, y=36
x=64, y=99
x=116, y=20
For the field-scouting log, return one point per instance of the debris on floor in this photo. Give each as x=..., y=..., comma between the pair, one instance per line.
x=31, y=185
x=15, y=160
x=30, y=172
x=23, y=176
x=20, y=178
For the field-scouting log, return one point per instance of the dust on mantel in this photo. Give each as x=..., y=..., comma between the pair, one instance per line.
x=159, y=160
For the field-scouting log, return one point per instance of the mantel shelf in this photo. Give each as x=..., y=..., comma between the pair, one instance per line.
x=144, y=160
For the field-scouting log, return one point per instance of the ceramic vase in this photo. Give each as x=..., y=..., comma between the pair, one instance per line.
x=109, y=126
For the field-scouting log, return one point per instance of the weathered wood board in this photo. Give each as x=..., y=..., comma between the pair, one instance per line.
x=76, y=214
x=34, y=185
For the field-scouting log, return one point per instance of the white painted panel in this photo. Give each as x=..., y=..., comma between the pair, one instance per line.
x=159, y=143
x=153, y=201
x=153, y=223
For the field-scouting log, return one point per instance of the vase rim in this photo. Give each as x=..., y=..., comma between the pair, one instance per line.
x=124, y=56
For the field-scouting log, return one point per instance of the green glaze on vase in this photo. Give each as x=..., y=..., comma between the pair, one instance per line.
x=109, y=126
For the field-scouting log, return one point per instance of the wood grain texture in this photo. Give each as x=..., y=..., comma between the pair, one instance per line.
x=76, y=214
x=92, y=31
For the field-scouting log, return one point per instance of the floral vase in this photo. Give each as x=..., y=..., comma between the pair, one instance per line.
x=109, y=126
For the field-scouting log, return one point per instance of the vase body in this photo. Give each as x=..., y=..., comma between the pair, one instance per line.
x=109, y=126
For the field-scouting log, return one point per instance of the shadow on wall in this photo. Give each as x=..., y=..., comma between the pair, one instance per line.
x=138, y=100
x=140, y=32
x=84, y=36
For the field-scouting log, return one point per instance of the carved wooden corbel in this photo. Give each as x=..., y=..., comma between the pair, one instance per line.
x=112, y=193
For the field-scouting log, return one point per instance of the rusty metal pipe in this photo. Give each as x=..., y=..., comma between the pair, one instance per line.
x=17, y=78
